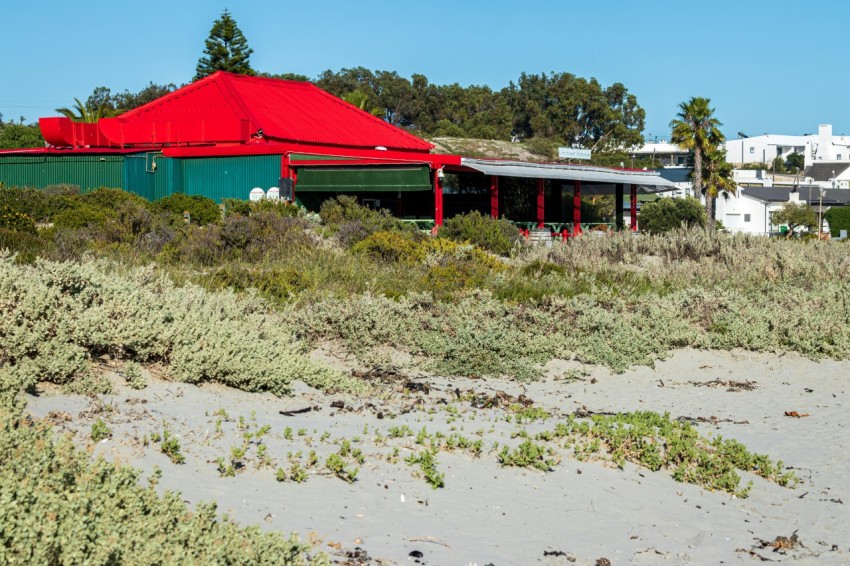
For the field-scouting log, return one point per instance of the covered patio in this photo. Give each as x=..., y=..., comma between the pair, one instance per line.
x=415, y=190
x=577, y=180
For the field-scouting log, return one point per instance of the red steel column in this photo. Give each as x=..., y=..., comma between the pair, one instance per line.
x=576, y=208
x=541, y=198
x=286, y=172
x=494, y=196
x=633, y=211
x=438, y=199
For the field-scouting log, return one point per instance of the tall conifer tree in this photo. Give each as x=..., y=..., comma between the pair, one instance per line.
x=226, y=49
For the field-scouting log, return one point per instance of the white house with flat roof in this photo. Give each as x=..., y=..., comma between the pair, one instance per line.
x=816, y=148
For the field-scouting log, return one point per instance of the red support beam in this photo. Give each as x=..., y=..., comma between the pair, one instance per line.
x=541, y=199
x=576, y=208
x=438, y=198
x=494, y=196
x=633, y=210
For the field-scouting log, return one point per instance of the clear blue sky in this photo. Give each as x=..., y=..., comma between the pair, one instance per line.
x=768, y=66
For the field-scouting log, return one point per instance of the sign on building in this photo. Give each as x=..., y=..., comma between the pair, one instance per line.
x=573, y=153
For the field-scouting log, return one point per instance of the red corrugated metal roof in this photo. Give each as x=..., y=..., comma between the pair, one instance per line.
x=229, y=108
x=35, y=151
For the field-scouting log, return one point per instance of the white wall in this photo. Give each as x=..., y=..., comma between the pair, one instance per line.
x=743, y=214
x=823, y=146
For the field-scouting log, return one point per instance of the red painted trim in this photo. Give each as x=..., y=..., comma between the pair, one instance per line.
x=438, y=199
x=284, y=167
x=433, y=159
x=576, y=208
x=35, y=151
x=494, y=196
x=541, y=203
x=357, y=162
x=633, y=208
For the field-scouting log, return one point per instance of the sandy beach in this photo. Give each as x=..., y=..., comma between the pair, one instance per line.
x=584, y=511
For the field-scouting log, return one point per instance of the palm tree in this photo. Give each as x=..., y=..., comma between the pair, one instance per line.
x=695, y=128
x=85, y=113
x=718, y=181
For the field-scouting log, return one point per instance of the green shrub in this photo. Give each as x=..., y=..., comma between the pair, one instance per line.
x=202, y=210
x=41, y=206
x=27, y=246
x=13, y=220
x=141, y=316
x=542, y=147
x=666, y=214
x=391, y=246
x=133, y=376
x=343, y=215
x=47, y=485
x=81, y=215
x=796, y=215
x=247, y=208
x=838, y=218
x=497, y=236
x=100, y=431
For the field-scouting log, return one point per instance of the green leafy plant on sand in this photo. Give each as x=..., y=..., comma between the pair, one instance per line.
x=529, y=455
x=133, y=375
x=657, y=442
x=337, y=466
x=100, y=431
x=170, y=446
x=427, y=462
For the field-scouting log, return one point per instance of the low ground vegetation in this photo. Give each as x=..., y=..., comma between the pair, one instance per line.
x=240, y=297
x=366, y=280
x=47, y=484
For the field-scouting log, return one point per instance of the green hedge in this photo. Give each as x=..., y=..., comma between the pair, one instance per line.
x=666, y=214
x=838, y=218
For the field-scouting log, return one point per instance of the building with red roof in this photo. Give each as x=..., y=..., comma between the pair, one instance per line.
x=227, y=135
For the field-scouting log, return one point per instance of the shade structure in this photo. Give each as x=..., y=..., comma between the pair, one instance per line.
x=650, y=181
x=364, y=179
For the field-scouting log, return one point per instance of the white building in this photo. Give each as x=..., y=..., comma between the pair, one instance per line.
x=823, y=147
x=662, y=154
x=829, y=175
x=815, y=148
x=751, y=210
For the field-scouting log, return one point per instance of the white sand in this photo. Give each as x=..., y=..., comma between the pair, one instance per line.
x=578, y=513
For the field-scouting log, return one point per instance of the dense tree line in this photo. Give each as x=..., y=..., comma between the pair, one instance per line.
x=557, y=106
x=17, y=135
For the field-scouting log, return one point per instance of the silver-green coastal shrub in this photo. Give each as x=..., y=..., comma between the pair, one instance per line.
x=59, y=507
x=54, y=317
x=478, y=335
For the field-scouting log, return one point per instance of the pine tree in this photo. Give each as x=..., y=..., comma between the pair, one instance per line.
x=226, y=49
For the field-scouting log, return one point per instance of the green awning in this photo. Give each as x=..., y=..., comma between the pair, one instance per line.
x=363, y=179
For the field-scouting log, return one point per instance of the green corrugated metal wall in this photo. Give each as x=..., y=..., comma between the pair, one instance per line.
x=153, y=176
x=167, y=179
x=139, y=174
x=87, y=171
x=229, y=177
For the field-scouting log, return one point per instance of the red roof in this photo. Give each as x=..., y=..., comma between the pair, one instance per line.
x=225, y=108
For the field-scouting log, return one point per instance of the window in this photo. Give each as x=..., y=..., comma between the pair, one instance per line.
x=838, y=157
x=746, y=218
x=752, y=150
